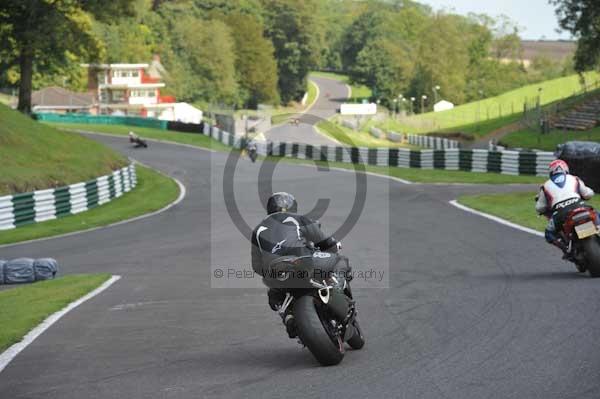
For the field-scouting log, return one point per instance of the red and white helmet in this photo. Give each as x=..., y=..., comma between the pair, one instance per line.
x=558, y=166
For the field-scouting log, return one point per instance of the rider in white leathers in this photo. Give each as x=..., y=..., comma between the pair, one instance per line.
x=560, y=193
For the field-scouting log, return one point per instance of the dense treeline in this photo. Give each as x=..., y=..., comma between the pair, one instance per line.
x=582, y=19
x=241, y=53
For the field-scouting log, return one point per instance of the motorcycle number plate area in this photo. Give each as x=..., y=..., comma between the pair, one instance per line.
x=586, y=230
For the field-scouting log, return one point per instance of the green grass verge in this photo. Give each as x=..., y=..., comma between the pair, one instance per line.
x=23, y=308
x=477, y=130
x=355, y=138
x=533, y=138
x=359, y=92
x=313, y=90
x=500, y=106
x=198, y=140
x=428, y=175
x=153, y=192
x=36, y=156
x=516, y=207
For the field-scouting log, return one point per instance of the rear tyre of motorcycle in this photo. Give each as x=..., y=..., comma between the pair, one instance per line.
x=358, y=340
x=311, y=332
x=592, y=254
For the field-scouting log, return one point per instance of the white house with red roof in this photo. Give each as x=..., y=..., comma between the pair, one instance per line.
x=134, y=89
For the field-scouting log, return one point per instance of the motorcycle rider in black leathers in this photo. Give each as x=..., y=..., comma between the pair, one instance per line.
x=284, y=232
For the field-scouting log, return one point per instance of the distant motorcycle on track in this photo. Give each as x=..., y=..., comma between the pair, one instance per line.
x=137, y=141
x=252, y=151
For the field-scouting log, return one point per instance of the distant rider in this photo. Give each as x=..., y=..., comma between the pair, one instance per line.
x=251, y=147
x=562, y=193
x=135, y=139
x=284, y=232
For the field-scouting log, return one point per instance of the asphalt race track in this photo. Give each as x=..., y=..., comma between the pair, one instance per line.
x=474, y=309
x=332, y=94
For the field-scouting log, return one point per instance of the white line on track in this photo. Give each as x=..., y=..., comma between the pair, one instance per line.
x=397, y=179
x=497, y=219
x=182, y=194
x=315, y=99
x=8, y=355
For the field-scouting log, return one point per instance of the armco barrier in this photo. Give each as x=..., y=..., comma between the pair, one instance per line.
x=436, y=143
x=102, y=119
x=505, y=162
x=186, y=127
x=38, y=206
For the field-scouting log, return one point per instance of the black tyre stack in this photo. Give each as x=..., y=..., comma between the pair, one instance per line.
x=583, y=158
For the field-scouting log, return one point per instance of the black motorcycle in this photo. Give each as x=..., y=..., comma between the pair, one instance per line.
x=138, y=142
x=252, y=154
x=320, y=299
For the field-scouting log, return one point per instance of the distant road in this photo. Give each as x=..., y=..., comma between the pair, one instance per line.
x=331, y=94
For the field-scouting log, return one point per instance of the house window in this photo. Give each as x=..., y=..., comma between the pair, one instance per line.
x=118, y=95
x=125, y=74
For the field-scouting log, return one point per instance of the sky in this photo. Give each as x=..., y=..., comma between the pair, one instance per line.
x=536, y=16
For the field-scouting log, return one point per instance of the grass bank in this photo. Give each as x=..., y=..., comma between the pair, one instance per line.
x=24, y=307
x=533, y=138
x=516, y=207
x=153, y=192
x=355, y=138
x=501, y=106
x=37, y=156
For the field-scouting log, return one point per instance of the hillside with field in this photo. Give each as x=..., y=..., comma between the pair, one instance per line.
x=36, y=156
x=502, y=106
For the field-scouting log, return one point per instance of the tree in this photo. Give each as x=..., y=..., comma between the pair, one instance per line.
x=290, y=26
x=128, y=41
x=384, y=67
x=363, y=30
x=582, y=19
x=43, y=32
x=443, y=58
x=255, y=64
x=205, y=63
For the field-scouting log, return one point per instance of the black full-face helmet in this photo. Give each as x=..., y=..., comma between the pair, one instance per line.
x=282, y=202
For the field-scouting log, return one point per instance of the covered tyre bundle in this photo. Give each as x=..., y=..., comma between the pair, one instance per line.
x=2, y=263
x=583, y=158
x=27, y=270
x=19, y=271
x=45, y=268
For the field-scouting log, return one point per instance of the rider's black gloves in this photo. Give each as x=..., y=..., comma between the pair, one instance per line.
x=276, y=298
